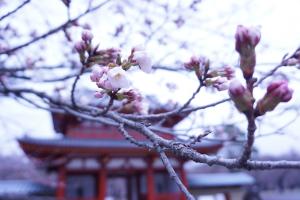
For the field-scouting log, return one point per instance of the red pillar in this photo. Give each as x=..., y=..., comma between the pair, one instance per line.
x=61, y=183
x=102, y=180
x=183, y=179
x=227, y=196
x=150, y=180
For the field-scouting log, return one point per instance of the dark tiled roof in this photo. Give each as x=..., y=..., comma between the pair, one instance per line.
x=219, y=180
x=24, y=188
x=42, y=148
x=76, y=142
x=96, y=143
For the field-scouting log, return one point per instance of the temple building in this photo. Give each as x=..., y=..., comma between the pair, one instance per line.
x=92, y=161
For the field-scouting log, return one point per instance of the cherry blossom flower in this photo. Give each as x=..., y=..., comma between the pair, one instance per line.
x=97, y=73
x=104, y=83
x=142, y=58
x=117, y=77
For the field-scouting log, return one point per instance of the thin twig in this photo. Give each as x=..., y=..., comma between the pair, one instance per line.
x=174, y=112
x=55, y=30
x=173, y=174
x=194, y=140
x=73, y=100
x=15, y=10
x=110, y=103
x=191, y=98
x=270, y=73
x=132, y=140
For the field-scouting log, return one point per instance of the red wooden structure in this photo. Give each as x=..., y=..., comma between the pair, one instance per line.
x=94, y=162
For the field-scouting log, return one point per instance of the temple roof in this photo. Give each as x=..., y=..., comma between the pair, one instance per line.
x=219, y=180
x=36, y=147
x=24, y=188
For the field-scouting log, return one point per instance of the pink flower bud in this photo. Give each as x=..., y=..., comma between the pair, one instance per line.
x=280, y=90
x=226, y=71
x=192, y=64
x=97, y=73
x=277, y=92
x=99, y=95
x=132, y=95
x=80, y=46
x=113, y=52
x=241, y=97
x=220, y=84
x=104, y=84
x=87, y=36
x=246, y=38
x=86, y=26
x=197, y=63
x=236, y=88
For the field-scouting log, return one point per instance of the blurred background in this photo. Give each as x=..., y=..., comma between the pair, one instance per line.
x=172, y=31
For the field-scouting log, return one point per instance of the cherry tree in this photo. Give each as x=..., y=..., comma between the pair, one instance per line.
x=110, y=70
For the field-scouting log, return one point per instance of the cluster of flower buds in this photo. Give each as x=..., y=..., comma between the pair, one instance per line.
x=140, y=57
x=90, y=55
x=246, y=40
x=84, y=45
x=110, y=77
x=277, y=92
x=198, y=64
x=134, y=102
x=220, y=83
x=87, y=37
x=103, y=57
x=132, y=95
x=226, y=72
x=293, y=60
x=113, y=79
x=241, y=96
x=219, y=78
